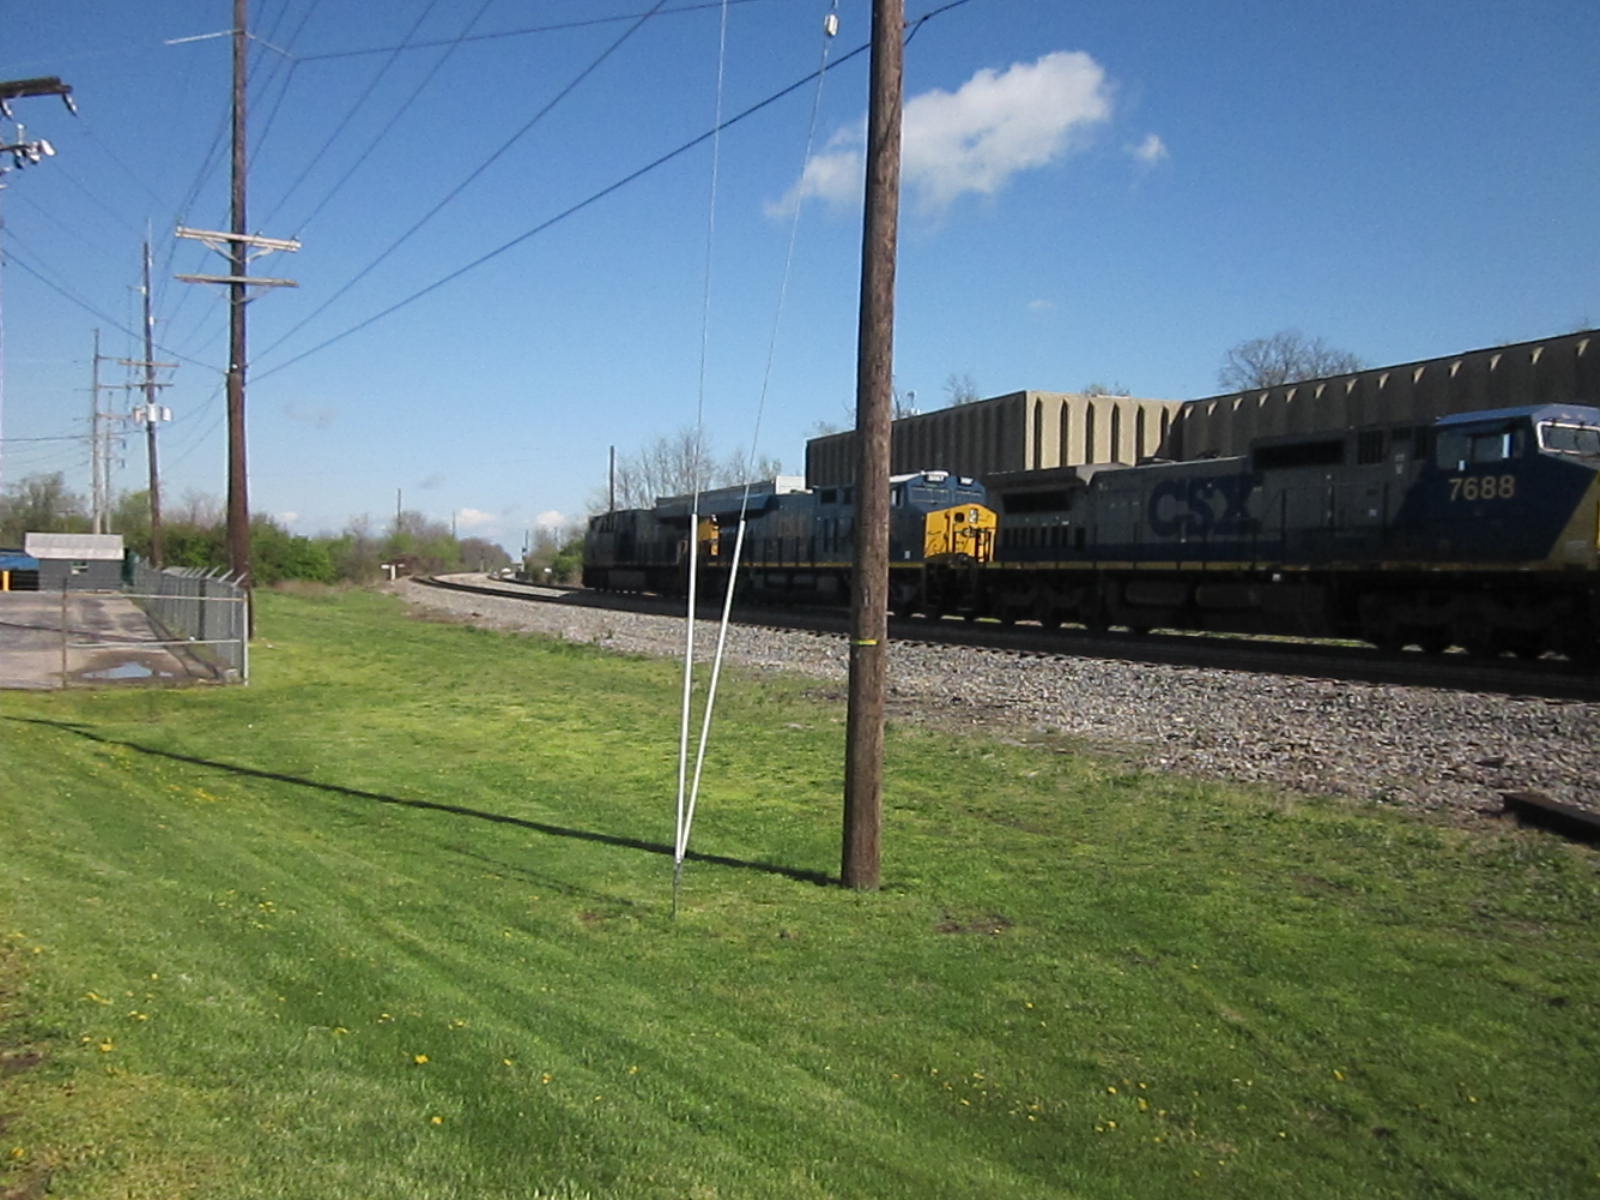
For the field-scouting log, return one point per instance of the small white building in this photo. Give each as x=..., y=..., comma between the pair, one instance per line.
x=76, y=561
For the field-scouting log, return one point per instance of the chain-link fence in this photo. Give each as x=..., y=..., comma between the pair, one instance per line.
x=200, y=612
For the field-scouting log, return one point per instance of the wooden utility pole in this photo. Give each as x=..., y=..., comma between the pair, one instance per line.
x=238, y=479
x=238, y=244
x=869, y=611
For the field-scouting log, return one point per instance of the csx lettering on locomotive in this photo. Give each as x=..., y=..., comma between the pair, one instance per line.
x=1204, y=507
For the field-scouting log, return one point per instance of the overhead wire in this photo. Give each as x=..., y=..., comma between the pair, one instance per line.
x=89, y=308
x=556, y=27
x=349, y=113
x=499, y=152
x=569, y=211
x=282, y=55
x=830, y=27
x=374, y=142
x=685, y=813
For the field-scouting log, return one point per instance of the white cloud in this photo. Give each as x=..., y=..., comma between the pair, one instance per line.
x=973, y=139
x=288, y=518
x=474, y=518
x=550, y=519
x=1151, y=151
x=1041, y=306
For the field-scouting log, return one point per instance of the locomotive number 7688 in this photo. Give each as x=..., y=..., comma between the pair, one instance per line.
x=1483, y=487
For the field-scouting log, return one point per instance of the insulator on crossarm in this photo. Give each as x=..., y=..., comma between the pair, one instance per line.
x=830, y=24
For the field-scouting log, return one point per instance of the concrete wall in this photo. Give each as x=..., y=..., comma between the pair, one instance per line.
x=1016, y=432
x=1563, y=369
x=1031, y=431
x=78, y=575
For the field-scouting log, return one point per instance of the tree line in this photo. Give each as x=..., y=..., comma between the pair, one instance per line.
x=194, y=534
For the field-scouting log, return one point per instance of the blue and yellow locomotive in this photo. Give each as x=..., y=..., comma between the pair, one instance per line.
x=798, y=544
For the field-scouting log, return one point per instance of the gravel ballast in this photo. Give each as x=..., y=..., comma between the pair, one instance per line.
x=1451, y=753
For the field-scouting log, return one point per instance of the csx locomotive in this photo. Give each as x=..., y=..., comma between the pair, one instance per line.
x=1480, y=530
x=799, y=544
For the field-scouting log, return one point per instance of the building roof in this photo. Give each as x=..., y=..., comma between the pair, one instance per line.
x=78, y=547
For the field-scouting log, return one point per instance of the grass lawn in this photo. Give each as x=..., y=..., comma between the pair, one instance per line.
x=396, y=920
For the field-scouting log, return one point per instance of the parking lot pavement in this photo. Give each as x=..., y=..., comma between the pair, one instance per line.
x=108, y=641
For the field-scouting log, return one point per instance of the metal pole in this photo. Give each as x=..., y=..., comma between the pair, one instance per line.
x=97, y=471
x=238, y=480
x=869, y=614
x=64, y=633
x=157, y=553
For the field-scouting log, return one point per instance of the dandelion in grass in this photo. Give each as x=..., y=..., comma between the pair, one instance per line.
x=436, y=1120
x=419, y=1059
x=107, y=1046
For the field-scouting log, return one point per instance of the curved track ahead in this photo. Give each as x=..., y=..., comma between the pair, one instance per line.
x=1552, y=679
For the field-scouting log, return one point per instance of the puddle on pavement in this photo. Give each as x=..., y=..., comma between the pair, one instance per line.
x=127, y=670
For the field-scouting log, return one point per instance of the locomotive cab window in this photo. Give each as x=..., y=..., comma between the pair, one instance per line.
x=1569, y=439
x=1459, y=448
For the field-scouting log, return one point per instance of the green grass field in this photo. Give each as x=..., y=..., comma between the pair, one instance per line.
x=396, y=921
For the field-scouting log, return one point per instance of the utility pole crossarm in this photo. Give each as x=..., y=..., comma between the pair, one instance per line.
x=42, y=85
x=219, y=240
x=242, y=280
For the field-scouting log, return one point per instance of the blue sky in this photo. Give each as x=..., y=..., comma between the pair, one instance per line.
x=1103, y=192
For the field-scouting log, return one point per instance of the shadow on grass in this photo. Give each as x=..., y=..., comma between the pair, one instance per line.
x=586, y=835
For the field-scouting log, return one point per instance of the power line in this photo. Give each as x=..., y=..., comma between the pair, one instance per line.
x=524, y=32
x=349, y=114
x=561, y=216
x=288, y=79
x=566, y=91
x=91, y=309
x=394, y=119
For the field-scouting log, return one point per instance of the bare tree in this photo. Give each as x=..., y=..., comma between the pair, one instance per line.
x=961, y=389
x=675, y=464
x=197, y=508
x=1102, y=389
x=1287, y=356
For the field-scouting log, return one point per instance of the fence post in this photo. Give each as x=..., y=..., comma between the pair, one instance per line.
x=63, y=634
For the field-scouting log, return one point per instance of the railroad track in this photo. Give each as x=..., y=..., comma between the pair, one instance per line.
x=1548, y=679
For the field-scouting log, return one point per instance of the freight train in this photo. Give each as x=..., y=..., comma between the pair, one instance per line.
x=1479, y=530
